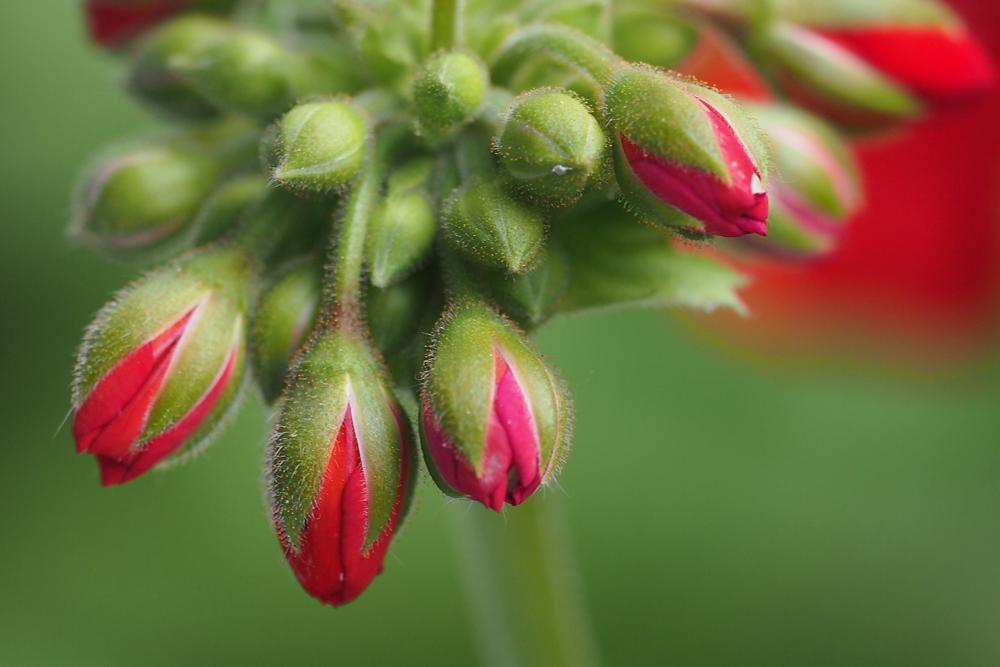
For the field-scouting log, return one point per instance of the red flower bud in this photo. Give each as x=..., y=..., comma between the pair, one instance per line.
x=112, y=23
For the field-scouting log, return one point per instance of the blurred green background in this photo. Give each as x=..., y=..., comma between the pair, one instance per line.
x=724, y=513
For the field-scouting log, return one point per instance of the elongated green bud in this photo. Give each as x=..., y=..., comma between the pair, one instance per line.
x=552, y=146
x=447, y=91
x=318, y=146
x=402, y=230
x=285, y=316
x=136, y=203
x=492, y=227
x=530, y=299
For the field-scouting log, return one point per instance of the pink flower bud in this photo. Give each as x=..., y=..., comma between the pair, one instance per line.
x=112, y=23
x=732, y=207
x=330, y=560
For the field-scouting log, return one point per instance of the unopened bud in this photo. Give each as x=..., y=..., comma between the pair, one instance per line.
x=496, y=419
x=492, y=227
x=137, y=203
x=532, y=298
x=113, y=23
x=551, y=147
x=318, y=146
x=162, y=365
x=402, y=230
x=338, y=467
x=447, y=91
x=285, y=316
x=226, y=206
x=687, y=157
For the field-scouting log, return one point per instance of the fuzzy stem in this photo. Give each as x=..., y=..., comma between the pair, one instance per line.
x=523, y=587
x=446, y=17
x=585, y=55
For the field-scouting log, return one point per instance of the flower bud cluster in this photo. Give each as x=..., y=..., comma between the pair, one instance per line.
x=333, y=190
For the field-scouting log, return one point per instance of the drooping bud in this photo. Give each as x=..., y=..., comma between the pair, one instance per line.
x=687, y=157
x=285, y=316
x=492, y=227
x=495, y=417
x=225, y=207
x=160, y=87
x=448, y=89
x=162, y=365
x=244, y=72
x=402, y=230
x=552, y=147
x=137, y=202
x=870, y=64
x=338, y=468
x=530, y=299
x=318, y=146
x=817, y=186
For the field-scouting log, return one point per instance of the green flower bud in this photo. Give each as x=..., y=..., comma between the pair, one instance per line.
x=530, y=299
x=394, y=311
x=226, y=206
x=155, y=84
x=552, y=146
x=650, y=35
x=137, y=202
x=317, y=146
x=447, y=91
x=285, y=316
x=402, y=231
x=492, y=227
x=246, y=72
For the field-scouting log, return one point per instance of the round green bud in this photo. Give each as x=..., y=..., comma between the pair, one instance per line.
x=448, y=90
x=492, y=227
x=318, y=146
x=551, y=147
x=246, y=72
x=285, y=316
x=154, y=84
x=137, y=203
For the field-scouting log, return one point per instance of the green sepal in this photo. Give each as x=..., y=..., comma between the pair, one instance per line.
x=492, y=227
x=551, y=147
x=335, y=369
x=402, y=230
x=614, y=261
x=318, y=146
x=530, y=299
x=283, y=319
x=409, y=416
x=448, y=90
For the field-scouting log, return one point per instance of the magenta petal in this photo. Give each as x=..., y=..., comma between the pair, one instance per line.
x=513, y=412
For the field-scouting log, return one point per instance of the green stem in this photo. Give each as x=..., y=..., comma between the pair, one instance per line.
x=523, y=587
x=590, y=58
x=266, y=224
x=445, y=24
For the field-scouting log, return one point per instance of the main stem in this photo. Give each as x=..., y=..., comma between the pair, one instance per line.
x=446, y=19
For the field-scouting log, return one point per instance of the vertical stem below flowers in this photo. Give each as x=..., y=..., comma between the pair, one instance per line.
x=445, y=29
x=522, y=586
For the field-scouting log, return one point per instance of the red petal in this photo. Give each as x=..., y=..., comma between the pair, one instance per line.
x=717, y=61
x=113, y=22
x=512, y=413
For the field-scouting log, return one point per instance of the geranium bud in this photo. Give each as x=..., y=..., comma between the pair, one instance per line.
x=318, y=146
x=394, y=311
x=552, y=147
x=531, y=298
x=284, y=318
x=448, y=90
x=650, y=35
x=687, y=157
x=338, y=467
x=869, y=65
x=137, y=202
x=226, y=206
x=162, y=365
x=492, y=227
x=817, y=186
x=496, y=420
x=244, y=72
x=160, y=87
x=402, y=230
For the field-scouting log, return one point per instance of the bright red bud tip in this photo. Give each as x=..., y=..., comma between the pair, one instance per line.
x=511, y=468
x=331, y=562
x=940, y=64
x=112, y=23
x=736, y=208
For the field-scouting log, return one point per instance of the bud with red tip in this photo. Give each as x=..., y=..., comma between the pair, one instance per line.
x=338, y=467
x=162, y=365
x=867, y=64
x=495, y=417
x=113, y=23
x=687, y=157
